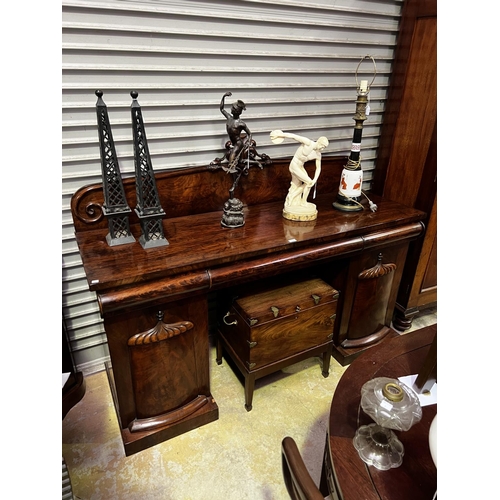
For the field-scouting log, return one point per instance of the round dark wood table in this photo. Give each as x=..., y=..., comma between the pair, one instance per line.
x=345, y=475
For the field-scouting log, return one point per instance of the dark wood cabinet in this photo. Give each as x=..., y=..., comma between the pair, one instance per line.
x=154, y=302
x=406, y=169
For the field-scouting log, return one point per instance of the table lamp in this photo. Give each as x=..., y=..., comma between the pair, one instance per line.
x=351, y=180
x=392, y=405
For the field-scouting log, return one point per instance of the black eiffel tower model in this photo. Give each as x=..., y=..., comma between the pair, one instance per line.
x=148, y=207
x=115, y=206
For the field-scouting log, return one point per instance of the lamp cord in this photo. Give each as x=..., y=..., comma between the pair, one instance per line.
x=373, y=206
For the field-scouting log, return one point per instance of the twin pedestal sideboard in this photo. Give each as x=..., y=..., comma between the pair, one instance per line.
x=155, y=302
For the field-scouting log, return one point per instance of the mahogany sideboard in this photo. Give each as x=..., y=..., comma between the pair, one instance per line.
x=155, y=302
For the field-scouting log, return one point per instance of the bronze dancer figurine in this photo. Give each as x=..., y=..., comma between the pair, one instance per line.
x=234, y=127
x=241, y=153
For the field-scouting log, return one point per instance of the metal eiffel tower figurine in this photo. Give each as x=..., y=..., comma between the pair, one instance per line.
x=115, y=206
x=148, y=207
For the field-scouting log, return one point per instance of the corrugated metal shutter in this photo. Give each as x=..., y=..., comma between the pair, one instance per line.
x=292, y=62
x=67, y=490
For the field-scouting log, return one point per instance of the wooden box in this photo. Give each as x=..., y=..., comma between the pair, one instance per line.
x=272, y=329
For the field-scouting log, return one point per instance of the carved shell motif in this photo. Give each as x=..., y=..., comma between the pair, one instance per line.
x=161, y=331
x=377, y=270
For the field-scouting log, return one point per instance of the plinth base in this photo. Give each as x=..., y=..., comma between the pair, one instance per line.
x=301, y=212
x=134, y=442
x=153, y=243
x=233, y=214
x=346, y=353
x=123, y=240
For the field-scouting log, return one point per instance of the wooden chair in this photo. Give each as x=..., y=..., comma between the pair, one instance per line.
x=298, y=481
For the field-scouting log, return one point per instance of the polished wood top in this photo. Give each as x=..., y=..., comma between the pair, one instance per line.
x=416, y=478
x=198, y=243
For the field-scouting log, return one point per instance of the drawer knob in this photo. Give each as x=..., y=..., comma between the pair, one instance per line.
x=235, y=322
x=275, y=311
x=316, y=298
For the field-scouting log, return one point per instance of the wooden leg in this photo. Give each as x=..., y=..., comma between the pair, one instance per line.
x=403, y=318
x=327, y=355
x=427, y=376
x=249, y=387
x=218, y=350
x=323, y=482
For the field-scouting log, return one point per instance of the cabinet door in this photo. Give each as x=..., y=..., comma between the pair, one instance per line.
x=368, y=298
x=159, y=371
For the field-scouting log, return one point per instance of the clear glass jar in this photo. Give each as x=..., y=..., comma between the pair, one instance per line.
x=390, y=403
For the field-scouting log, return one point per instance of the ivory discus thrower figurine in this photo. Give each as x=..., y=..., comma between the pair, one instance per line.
x=296, y=205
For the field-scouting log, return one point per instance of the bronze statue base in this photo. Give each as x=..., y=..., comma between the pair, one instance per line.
x=233, y=214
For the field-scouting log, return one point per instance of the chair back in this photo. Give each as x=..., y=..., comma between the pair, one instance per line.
x=298, y=481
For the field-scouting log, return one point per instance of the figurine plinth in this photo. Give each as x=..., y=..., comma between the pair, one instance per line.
x=233, y=214
x=301, y=212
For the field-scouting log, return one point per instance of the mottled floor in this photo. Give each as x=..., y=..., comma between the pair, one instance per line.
x=236, y=457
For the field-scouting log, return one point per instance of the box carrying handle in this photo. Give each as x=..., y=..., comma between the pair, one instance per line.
x=235, y=322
